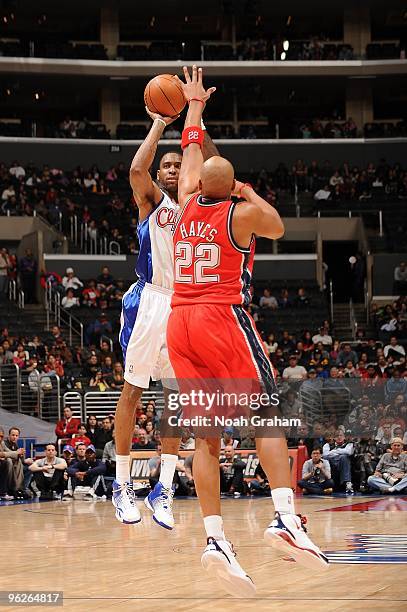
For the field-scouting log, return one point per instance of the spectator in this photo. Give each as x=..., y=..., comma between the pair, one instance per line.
x=91, y=428
x=267, y=300
x=391, y=471
x=68, y=453
x=384, y=437
x=6, y=471
x=393, y=349
x=323, y=337
x=100, y=327
x=54, y=366
x=316, y=475
x=346, y=354
x=400, y=279
x=4, y=267
x=339, y=455
x=48, y=474
x=231, y=473
x=97, y=382
x=91, y=294
x=67, y=426
x=187, y=440
x=102, y=436
x=227, y=438
x=249, y=442
x=301, y=298
x=109, y=456
x=260, y=484
x=116, y=380
x=323, y=194
x=80, y=437
x=69, y=300
x=105, y=281
x=28, y=275
x=143, y=442
x=70, y=281
x=366, y=458
x=19, y=472
x=294, y=371
x=88, y=472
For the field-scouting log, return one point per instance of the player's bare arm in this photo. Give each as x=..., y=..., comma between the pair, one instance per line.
x=254, y=216
x=209, y=148
x=146, y=192
x=193, y=158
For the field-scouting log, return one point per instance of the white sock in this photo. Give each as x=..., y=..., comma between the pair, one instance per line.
x=283, y=500
x=168, y=463
x=214, y=527
x=122, y=468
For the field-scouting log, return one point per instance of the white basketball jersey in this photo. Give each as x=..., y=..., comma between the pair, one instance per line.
x=155, y=262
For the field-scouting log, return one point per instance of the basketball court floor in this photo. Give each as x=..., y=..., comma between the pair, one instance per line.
x=79, y=548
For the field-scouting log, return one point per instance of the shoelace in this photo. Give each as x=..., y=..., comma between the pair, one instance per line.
x=166, y=496
x=130, y=492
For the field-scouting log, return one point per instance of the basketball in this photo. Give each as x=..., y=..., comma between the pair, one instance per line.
x=164, y=95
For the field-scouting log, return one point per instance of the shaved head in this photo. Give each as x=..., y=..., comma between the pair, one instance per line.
x=217, y=178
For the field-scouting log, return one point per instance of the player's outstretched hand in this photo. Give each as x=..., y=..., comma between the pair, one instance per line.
x=153, y=116
x=193, y=86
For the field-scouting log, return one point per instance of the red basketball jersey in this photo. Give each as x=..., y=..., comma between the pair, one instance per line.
x=209, y=267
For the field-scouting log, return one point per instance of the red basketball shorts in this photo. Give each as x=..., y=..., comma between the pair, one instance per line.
x=217, y=347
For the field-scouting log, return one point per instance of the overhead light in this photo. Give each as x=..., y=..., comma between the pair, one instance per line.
x=37, y=95
x=283, y=56
x=286, y=45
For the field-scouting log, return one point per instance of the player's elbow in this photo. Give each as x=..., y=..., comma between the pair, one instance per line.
x=136, y=170
x=279, y=231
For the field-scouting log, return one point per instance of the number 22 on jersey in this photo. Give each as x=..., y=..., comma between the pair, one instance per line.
x=192, y=263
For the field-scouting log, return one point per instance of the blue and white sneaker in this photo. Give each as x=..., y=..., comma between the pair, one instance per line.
x=288, y=534
x=124, y=500
x=219, y=559
x=159, y=501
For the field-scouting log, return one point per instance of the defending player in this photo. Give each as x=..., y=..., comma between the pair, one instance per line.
x=145, y=311
x=214, y=244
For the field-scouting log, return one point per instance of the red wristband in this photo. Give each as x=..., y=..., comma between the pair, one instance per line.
x=192, y=135
x=197, y=100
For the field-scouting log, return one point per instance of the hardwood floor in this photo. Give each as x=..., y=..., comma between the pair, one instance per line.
x=78, y=547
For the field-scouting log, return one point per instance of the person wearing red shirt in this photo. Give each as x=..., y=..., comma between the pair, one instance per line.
x=67, y=426
x=80, y=437
x=54, y=365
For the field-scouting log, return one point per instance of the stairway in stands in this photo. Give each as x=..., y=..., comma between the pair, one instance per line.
x=29, y=321
x=342, y=327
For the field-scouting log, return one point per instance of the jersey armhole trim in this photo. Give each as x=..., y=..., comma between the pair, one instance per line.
x=230, y=233
x=153, y=208
x=182, y=212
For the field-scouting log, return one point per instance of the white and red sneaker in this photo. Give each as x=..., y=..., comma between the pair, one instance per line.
x=219, y=559
x=287, y=533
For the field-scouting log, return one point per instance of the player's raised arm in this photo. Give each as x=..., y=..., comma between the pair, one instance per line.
x=255, y=216
x=193, y=136
x=146, y=192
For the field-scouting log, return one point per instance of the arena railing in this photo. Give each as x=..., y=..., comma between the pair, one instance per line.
x=60, y=315
x=16, y=294
x=10, y=387
x=74, y=401
x=99, y=245
x=37, y=395
x=103, y=403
